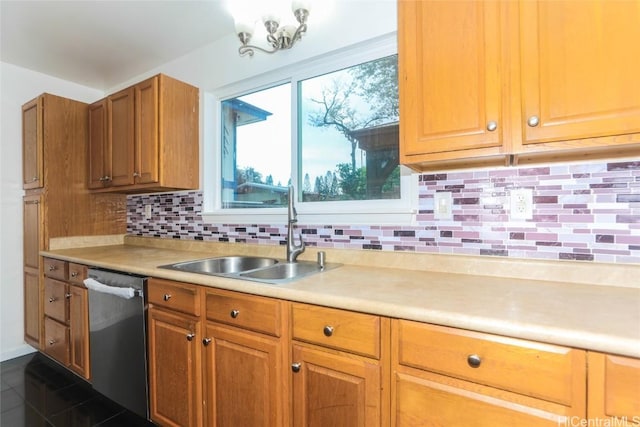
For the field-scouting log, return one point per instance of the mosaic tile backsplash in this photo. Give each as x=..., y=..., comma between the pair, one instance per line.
x=586, y=212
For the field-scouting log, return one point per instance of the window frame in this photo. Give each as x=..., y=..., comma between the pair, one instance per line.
x=400, y=211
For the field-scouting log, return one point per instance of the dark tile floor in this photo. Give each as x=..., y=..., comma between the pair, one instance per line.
x=37, y=392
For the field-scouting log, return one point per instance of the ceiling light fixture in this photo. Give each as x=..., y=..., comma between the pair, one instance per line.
x=278, y=37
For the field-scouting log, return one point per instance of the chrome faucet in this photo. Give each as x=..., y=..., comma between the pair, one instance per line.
x=293, y=250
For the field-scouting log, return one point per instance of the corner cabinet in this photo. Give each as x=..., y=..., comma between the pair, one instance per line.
x=145, y=138
x=498, y=82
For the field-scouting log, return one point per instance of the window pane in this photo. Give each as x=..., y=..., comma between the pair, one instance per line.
x=256, y=149
x=348, y=133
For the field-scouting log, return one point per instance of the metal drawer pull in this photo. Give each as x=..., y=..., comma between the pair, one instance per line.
x=492, y=126
x=74, y=274
x=295, y=367
x=234, y=313
x=533, y=121
x=53, y=299
x=328, y=331
x=68, y=295
x=166, y=297
x=206, y=341
x=474, y=360
x=190, y=337
x=52, y=268
x=52, y=342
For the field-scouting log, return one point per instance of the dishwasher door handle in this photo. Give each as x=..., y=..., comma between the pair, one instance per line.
x=94, y=285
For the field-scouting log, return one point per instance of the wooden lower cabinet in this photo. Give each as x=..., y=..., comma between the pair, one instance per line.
x=245, y=378
x=449, y=377
x=614, y=390
x=340, y=367
x=335, y=389
x=175, y=380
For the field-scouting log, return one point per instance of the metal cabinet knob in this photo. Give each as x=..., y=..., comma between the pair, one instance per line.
x=234, y=313
x=53, y=299
x=492, y=125
x=34, y=179
x=474, y=360
x=67, y=295
x=533, y=121
x=190, y=337
x=52, y=342
x=328, y=331
x=166, y=297
x=74, y=274
x=52, y=268
x=206, y=341
x=295, y=367
x=136, y=174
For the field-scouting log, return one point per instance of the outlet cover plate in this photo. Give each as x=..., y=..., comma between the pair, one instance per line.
x=521, y=203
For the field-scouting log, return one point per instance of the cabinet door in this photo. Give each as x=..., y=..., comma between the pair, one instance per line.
x=32, y=144
x=423, y=402
x=33, y=311
x=449, y=81
x=32, y=226
x=79, y=330
x=614, y=389
x=244, y=378
x=99, y=149
x=121, y=136
x=175, y=381
x=146, y=122
x=579, y=65
x=334, y=389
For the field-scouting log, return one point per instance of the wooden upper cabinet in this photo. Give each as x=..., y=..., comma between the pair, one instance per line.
x=146, y=126
x=579, y=70
x=32, y=144
x=151, y=141
x=450, y=56
x=121, y=136
x=553, y=79
x=99, y=154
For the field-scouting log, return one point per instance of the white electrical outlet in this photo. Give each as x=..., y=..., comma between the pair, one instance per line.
x=521, y=203
x=147, y=211
x=442, y=204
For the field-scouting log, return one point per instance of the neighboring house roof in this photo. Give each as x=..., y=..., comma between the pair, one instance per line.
x=247, y=113
x=249, y=186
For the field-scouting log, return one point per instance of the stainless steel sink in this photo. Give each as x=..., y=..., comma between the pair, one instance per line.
x=258, y=269
x=284, y=271
x=222, y=265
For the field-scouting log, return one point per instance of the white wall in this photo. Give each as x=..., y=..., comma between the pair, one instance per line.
x=208, y=68
x=17, y=86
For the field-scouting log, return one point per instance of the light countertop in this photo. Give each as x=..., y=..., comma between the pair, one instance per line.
x=567, y=311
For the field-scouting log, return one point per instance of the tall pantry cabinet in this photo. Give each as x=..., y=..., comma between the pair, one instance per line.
x=57, y=202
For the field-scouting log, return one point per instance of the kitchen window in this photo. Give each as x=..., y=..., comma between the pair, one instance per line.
x=330, y=128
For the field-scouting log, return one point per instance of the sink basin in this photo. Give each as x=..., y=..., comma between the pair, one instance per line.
x=222, y=265
x=284, y=271
x=258, y=269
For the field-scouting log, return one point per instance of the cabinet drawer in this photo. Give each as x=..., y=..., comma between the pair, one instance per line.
x=245, y=311
x=56, y=340
x=539, y=370
x=77, y=273
x=339, y=329
x=174, y=295
x=614, y=388
x=56, y=299
x=55, y=268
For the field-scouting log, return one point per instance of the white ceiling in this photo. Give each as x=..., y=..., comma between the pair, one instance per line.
x=101, y=43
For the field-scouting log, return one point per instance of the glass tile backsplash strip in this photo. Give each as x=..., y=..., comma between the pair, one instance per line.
x=587, y=212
